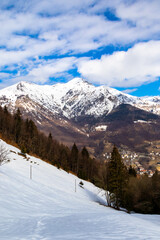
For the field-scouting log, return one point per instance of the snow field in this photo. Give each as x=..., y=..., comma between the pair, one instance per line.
x=47, y=206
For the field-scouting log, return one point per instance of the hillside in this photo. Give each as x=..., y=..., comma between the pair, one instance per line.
x=132, y=127
x=47, y=207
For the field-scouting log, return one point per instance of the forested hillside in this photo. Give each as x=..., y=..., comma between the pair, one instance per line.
x=24, y=133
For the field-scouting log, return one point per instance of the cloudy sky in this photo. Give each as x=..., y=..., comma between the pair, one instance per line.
x=106, y=42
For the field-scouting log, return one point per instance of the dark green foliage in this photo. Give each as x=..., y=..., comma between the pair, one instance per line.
x=156, y=191
x=64, y=158
x=143, y=194
x=83, y=163
x=116, y=179
x=87, y=167
x=23, y=149
x=85, y=153
x=124, y=189
x=74, y=158
x=132, y=172
x=17, y=126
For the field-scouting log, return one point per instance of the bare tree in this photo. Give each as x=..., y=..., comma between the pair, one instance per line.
x=3, y=155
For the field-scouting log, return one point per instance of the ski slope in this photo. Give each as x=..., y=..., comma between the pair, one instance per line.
x=47, y=207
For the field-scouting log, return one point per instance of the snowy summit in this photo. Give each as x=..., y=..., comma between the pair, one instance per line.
x=74, y=98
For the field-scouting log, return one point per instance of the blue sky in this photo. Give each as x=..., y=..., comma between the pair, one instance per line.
x=114, y=43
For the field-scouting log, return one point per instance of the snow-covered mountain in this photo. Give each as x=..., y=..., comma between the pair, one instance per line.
x=48, y=207
x=76, y=111
x=73, y=99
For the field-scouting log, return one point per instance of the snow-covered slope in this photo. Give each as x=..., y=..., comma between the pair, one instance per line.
x=72, y=99
x=47, y=207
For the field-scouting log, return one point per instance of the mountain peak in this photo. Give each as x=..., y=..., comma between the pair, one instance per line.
x=24, y=83
x=78, y=81
x=21, y=85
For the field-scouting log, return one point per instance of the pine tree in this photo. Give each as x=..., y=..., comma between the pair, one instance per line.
x=74, y=158
x=64, y=159
x=117, y=178
x=49, y=148
x=132, y=172
x=83, y=164
x=156, y=191
x=17, y=125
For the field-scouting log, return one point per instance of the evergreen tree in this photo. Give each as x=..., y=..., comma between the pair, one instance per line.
x=85, y=153
x=132, y=172
x=49, y=148
x=74, y=158
x=117, y=178
x=17, y=125
x=156, y=192
x=64, y=158
x=83, y=164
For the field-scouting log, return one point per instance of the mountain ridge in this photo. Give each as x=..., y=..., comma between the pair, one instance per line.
x=75, y=98
x=76, y=110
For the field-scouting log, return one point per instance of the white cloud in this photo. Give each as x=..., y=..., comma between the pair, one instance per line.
x=4, y=75
x=76, y=24
x=47, y=69
x=130, y=90
x=138, y=65
x=33, y=29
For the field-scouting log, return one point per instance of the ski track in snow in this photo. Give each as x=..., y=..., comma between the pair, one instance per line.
x=48, y=208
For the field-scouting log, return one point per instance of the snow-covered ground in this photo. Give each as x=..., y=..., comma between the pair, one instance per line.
x=47, y=207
